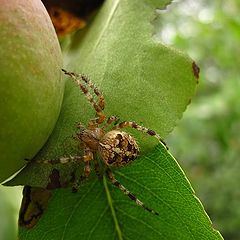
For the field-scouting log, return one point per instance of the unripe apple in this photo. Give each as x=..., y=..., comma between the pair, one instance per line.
x=31, y=83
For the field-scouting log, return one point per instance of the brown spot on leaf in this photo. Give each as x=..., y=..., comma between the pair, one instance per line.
x=196, y=70
x=54, y=180
x=34, y=202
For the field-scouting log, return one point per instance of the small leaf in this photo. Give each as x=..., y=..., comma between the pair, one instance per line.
x=100, y=211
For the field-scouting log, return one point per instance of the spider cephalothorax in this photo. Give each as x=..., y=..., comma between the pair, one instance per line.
x=115, y=147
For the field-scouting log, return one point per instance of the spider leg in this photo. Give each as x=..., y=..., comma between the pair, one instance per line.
x=101, y=101
x=61, y=160
x=110, y=120
x=88, y=156
x=140, y=128
x=117, y=184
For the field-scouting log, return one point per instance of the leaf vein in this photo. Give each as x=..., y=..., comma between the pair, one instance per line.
x=74, y=209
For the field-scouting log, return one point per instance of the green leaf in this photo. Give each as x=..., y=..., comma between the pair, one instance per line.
x=143, y=81
x=100, y=211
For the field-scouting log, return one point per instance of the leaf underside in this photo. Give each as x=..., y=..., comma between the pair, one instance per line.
x=144, y=81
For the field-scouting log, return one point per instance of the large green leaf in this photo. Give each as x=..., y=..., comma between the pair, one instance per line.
x=100, y=211
x=143, y=81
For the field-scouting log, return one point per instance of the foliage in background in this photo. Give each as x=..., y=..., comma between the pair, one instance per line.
x=10, y=199
x=207, y=140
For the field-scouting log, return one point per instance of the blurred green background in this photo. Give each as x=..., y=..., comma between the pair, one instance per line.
x=206, y=142
x=10, y=200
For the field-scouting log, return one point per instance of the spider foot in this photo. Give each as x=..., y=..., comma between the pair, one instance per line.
x=164, y=143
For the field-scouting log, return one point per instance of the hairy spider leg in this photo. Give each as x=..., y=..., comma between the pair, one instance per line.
x=111, y=119
x=117, y=184
x=140, y=128
x=88, y=156
x=83, y=77
x=101, y=99
x=97, y=106
x=62, y=160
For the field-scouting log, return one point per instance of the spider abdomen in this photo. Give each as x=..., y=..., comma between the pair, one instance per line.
x=118, y=148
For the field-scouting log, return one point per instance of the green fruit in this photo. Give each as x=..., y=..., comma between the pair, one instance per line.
x=31, y=83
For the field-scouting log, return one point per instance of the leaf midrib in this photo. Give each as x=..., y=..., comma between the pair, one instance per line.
x=110, y=17
x=109, y=198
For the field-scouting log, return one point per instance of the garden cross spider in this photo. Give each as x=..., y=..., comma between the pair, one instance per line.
x=116, y=148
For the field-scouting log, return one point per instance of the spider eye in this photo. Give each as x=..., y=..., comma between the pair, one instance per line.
x=118, y=148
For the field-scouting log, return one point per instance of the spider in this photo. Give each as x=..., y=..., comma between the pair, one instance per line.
x=115, y=147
